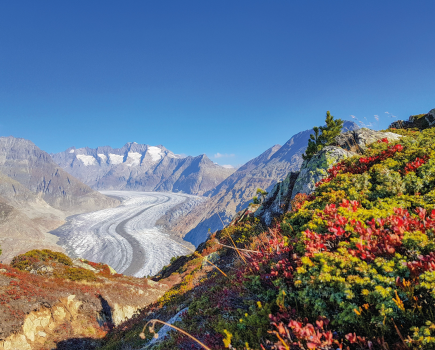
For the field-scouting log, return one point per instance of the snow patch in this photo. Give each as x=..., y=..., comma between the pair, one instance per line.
x=115, y=158
x=155, y=153
x=72, y=151
x=133, y=158
x=87, y=160
x=102, y=156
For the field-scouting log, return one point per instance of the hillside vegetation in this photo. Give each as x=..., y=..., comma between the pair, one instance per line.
x=49, y=301
x=350, y=266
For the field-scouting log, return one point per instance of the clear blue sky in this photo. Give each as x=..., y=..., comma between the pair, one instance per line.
x=227, y=77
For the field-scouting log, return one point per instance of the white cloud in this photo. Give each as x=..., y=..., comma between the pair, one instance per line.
x=376, y=117
x=225, y=155
x=353, y=116
x=228, y=166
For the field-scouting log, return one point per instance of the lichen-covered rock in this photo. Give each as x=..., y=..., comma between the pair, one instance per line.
x=430, y=117
x=358, y=140
x=212, y=257
x=277, y=201
x=80, y=263
x=315, y=169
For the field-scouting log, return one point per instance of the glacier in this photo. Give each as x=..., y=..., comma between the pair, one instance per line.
x=126, y=237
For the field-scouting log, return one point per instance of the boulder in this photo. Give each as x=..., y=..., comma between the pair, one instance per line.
x=278, y=200
x=212, y=257
x=358, y=140
x=315, y=169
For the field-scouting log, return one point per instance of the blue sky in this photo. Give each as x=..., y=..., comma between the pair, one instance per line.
x=229, y=78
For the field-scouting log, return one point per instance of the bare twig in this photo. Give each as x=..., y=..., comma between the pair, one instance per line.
x=245, y=250
x=398, y=332
x=234, y=244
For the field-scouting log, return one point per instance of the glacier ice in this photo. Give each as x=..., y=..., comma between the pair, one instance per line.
x=93, y=236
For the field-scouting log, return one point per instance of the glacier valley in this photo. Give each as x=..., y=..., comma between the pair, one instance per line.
x=126, y=237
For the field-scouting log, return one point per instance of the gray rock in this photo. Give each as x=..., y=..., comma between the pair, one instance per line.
x=315, y=169
x=212, y=257
x=430, y=118
x=79, y=263
x=419, y=121
x=163, y=332
x=358, y=140
x=278, y=199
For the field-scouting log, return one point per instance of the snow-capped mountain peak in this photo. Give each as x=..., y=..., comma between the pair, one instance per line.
x=141, y=167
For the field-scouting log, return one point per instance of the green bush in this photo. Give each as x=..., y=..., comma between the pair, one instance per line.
x=77, y=274
x=26, y=260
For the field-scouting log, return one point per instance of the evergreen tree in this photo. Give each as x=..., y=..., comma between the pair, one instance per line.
x=326, y=137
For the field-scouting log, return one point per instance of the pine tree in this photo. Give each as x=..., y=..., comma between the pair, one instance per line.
x=326, y=137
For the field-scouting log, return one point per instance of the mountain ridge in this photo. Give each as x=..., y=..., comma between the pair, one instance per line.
x=236, y=192
x=141, y=167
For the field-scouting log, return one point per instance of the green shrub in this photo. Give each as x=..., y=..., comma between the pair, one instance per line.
x=77, y=274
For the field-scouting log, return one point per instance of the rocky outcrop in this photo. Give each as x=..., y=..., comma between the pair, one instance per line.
x=278, y=200
x=358, y=140
x=315, y=169
x=142, y=168
x=44, y=312
x=419, y=121
x=347, y=144
x=163, y=332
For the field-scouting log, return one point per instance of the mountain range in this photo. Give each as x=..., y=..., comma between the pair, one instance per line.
x=141, y=167
x=38, y=191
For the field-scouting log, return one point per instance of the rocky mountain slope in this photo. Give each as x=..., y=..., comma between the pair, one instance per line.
x=236, y=192
x=142, y=168
x=25, y=219
x=35, y=197
x=22, y=161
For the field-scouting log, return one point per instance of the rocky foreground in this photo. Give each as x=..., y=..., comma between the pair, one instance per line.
x=49, y=301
